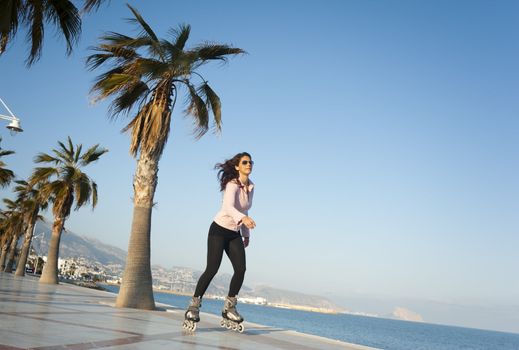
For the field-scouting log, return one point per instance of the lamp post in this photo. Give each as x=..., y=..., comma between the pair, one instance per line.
x=14, y=125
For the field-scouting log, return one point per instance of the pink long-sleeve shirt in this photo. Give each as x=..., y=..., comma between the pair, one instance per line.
x=236, y=202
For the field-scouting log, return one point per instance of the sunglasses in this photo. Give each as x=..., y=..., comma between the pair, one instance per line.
x=245, y=162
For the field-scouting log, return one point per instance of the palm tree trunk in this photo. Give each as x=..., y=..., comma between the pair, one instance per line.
x=49, y=274
x=136, y=288
x=10, y=257
x=22, y=261
x=3, y=257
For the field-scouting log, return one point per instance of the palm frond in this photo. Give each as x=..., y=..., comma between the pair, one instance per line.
x=213, y=103
x=70, y=149
x=142, y=23
x=116, y=46
x=82, y=189
x=77, y=153
x=116, y=40
x=180, y=36
x=63, y=198
x=209, y=51
x=94, y=194
x=92, y=155
x=92, y=5
x=61, y=156
x=150, y=68
x=42, y=174
x=66, y=154
x=150, y=128
x=99, y=81
x=128, y=98
x=146, y=33
x=6, y=176
x=22, y=185
x=35, y=35
x=4, y=40
x=69, y=174
x=35, y=15
x=45, y=158
x=29, y=196
x=10, y=204
x=10, y=14
x=95, y=60
x=112, y=84
x=198, y=110
x=113, y=41
x=4, y=152
x=65, y=15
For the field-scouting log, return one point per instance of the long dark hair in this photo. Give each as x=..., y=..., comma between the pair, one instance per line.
x=227, y=171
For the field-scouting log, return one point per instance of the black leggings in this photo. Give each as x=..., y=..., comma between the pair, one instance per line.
x=219, y=240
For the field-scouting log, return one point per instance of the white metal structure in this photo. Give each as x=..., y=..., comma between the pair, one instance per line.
x=14, y=125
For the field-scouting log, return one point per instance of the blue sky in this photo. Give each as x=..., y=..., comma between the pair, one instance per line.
x=384, y=135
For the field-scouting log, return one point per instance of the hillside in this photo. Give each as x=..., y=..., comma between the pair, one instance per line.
x=178, y=279
x=73, y=245
x=282, y=297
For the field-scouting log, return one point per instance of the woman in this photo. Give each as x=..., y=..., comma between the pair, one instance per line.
x=229, y=232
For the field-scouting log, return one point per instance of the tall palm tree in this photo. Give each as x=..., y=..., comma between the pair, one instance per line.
x=31, y=201
x=5, y=242
x=5, y=238
x=13, y=226
x=6, y=175
x=65, y=184
x=148, y=73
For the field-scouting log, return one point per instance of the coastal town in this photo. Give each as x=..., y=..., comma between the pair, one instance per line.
x=178, y=280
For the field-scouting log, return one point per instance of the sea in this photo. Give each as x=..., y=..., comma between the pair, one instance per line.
x=370, y=331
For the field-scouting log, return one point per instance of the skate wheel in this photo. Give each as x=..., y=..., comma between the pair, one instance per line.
x=241, y=328
x=228, y=325
x=222, y=323
x=234, y=327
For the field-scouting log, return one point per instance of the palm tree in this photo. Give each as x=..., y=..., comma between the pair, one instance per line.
x=31, y=201
x=148, y=73
x=5, y=238
x=5, y=242
x=65, y=184
x=13, y=227
x=6, y=175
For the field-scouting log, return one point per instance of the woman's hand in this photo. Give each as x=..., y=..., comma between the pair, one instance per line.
x=248, y=222
x=245, y=242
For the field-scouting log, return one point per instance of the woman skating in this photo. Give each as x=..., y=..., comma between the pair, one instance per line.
x=229, y=233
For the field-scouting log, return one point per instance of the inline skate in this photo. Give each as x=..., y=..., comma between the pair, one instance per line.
x=192, y=315
x=231, y=319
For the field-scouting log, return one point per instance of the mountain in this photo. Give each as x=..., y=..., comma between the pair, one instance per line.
x=183, y=280
x=282, y=297
x=400, y=313
x=73, y=245
x=177, y=279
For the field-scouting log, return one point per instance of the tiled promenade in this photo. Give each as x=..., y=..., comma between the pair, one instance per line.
x=35, y=316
